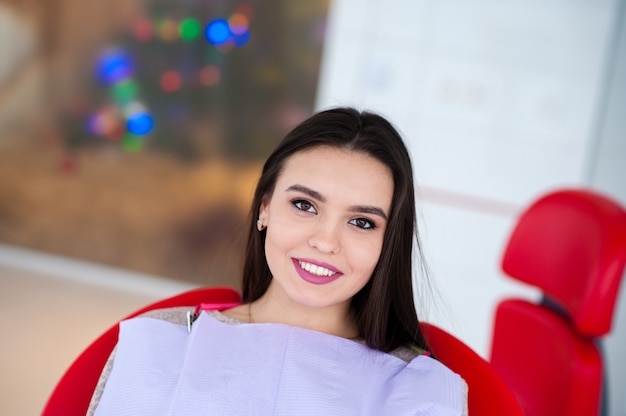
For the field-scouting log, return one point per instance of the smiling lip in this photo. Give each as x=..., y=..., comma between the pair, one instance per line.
x=313, y=278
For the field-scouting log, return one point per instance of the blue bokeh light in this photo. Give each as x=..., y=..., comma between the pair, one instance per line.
x=140, y=124
x=241, y=39
x=217, y=32
x=113, y=65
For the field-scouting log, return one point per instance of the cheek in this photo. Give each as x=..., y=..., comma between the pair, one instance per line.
x=364, y=257
x=281, y=237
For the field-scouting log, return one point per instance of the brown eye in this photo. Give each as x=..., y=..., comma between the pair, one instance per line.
x=304, y=205
x=363, y=223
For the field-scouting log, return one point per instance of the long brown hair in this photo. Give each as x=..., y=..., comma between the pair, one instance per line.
x=384, y=308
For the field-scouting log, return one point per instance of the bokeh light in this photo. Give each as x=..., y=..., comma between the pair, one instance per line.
x=106, y=122
x=113, y=65
x=170, y=81
x=168, y=30
x=140, y=124
x=238, y=24
x=128, y=119
x=217, y=32
x=241, y=39
x=131, y=143
x=125, y=90
x=143, y=29
x=210, y=75
x=190, y=29
x=95, y=125
x=133, y=107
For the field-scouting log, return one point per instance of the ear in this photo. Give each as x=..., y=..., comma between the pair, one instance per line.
x=263, y=210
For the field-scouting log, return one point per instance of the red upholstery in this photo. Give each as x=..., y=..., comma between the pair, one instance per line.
x=552, y=370
x=72, y=394
x=488, y=394
x=571, y=244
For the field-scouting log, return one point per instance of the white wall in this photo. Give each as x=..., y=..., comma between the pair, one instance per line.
x=16, y=43
x=607, y=172
x=17, y=48
x=500, y=102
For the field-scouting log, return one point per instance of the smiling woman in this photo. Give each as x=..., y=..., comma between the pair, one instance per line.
x=324, y=231
x=328, y=322
x=324, y=237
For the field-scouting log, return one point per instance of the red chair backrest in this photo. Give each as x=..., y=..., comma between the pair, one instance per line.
x=72, y=394
x=552, y=370
x=572, y=245
x=488, y=394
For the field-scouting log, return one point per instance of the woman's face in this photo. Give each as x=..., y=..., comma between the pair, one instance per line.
x=325, y=225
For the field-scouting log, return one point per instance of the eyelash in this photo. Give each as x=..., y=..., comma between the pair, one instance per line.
x=299, y=202
x=369, y=224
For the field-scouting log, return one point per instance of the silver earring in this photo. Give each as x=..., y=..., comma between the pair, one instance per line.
x=259, y=224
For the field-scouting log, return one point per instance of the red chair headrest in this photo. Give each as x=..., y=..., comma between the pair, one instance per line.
x=572, y=245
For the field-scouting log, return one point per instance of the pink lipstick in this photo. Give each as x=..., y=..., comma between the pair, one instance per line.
x=315, y=272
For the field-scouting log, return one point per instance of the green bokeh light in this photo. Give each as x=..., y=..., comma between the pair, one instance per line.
x=132, y=143
x=190, y=29
x=125, y=90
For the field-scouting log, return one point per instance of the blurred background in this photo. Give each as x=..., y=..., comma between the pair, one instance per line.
x=131, y=137
x=132, y=133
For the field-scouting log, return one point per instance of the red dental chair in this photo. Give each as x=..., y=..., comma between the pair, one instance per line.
x=571, y=244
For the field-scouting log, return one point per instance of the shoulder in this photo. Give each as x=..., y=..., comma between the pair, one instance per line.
x=441, y=378
x=440, y=384
x=176, y=315
x=434, y=375
x=407, y=353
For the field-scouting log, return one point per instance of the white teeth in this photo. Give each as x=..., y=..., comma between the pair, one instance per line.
x=316, y=270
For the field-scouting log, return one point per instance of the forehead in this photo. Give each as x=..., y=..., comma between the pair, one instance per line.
x=336, y=172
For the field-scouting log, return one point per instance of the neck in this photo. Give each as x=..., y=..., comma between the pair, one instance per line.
x=273, y=307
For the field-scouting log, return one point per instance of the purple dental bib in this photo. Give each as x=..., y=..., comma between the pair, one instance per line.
x=266, y=369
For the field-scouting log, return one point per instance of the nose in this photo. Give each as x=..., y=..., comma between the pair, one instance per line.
x=325, y=237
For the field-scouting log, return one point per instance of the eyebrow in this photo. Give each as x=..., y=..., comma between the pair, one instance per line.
x=364, y=209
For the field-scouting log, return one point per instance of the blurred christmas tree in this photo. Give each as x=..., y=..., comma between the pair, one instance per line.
x=200, y=78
